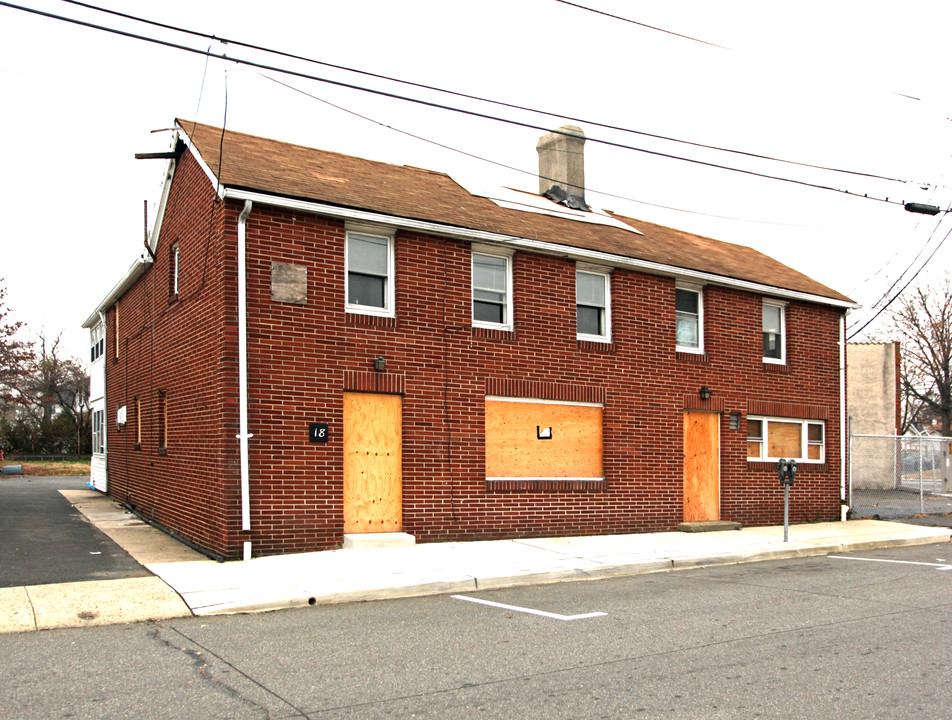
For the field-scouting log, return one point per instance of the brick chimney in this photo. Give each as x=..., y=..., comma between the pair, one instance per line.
x=562, y=166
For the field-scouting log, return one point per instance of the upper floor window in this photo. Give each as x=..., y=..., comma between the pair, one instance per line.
x=592, y=305
x=97, y=342
x=773, y=332
x=689, y=313
x=774, y=438
x=370, y=269
x=174, y=272
x=492, y=291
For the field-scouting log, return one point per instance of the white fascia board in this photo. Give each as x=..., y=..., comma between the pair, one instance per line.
x=163, y=202
x=537, y=246
x=132, y=274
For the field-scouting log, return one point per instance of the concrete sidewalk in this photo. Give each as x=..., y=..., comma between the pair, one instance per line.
x=350, y=575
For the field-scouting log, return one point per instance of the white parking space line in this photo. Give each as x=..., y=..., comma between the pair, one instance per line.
x=530, y=611
x=939, y=566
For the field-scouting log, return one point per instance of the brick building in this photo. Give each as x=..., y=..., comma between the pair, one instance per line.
x=408, y=356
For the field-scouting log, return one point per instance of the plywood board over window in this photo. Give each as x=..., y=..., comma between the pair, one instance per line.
x=544, y=440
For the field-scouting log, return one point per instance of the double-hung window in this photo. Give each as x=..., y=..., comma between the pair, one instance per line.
x=370, y=269
x=97, y=342
x=592, y=305
x=99, y=432
x=492, y=291
x=770, y=439
x=689, y=314
x=773, y=332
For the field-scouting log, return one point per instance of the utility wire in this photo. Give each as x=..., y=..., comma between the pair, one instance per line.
x=894, y=297
x=501, y=164
x=477, y=98
x=426, y=103
x=908, y=268
x=641, y=24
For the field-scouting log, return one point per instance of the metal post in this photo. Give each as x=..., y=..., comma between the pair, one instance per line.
x=922, y=500
x=786, y=513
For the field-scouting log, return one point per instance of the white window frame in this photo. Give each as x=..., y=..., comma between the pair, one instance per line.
x=99, y=432
x=699, y=350
x=389, y=295
x=509, y=323
x=175, y=269
x=606, y=276
x=97, y=341
x=765, y=420
x=782, y=360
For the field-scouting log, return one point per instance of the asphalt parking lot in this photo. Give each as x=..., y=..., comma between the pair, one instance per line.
x=44, y=539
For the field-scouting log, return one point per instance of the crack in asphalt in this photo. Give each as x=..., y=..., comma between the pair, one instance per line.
x=200, y=659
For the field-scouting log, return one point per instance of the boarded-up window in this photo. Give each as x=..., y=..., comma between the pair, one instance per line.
x=289, y=283
x=784, y=439
x=541, y=439
x=774, y=438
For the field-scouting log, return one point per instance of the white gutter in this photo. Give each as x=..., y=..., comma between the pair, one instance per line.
x=843, y=418
x=531, y=245
x=243, y=434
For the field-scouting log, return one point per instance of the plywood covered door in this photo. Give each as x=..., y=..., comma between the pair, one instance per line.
x=702, y=462
x=373, y=457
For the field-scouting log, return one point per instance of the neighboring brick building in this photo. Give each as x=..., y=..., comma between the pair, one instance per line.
x=426, y=360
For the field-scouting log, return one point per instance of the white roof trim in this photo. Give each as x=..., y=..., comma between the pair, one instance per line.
x=132, y=274
x=213, y=178
x=547, y=248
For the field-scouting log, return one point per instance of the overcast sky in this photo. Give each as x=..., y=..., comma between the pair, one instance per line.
x=855, y=86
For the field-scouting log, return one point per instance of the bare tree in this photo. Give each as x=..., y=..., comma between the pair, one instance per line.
x=14, y=353
x=54, y=389
x=924, y=324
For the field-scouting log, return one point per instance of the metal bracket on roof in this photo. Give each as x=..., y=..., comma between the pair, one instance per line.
x=560, y=195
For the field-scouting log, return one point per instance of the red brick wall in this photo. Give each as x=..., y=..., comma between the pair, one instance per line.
x=303, y=357
x=186, y=346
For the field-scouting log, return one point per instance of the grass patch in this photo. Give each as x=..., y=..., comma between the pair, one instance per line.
x=52, y=468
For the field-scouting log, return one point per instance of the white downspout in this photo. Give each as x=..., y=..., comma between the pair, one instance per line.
x=105, y=404
x=843, y=418
x=243, y=434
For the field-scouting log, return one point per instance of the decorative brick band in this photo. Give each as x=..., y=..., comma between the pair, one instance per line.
x=372, y=320
x=505, y=387
x=391, y=383
x=786, y=409
x=691, y=357
x=507, y=485
x=773, y=367
x=592, y=346
x=490, y=334
x=694, y=402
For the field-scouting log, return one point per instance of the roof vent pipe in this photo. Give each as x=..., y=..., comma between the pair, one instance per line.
x=562, y=166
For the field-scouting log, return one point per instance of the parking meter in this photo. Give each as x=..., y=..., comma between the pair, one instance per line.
x=787, y=472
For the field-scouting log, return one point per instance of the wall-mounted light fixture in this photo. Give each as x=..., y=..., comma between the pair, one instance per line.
x=380, y=364
x=705, y=393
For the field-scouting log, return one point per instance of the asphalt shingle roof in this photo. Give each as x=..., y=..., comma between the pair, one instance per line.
x=269, y=166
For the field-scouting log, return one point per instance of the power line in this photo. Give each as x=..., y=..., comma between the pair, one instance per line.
x=501, y=164
x=478, y=98
x=894, y=297
x=426, y=103
x=641, y=24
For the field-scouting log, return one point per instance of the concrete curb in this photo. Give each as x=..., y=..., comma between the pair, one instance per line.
x=83, y=604
x=581, y=569
x=188, y=583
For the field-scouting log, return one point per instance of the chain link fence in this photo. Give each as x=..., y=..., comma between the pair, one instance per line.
x=895, y=476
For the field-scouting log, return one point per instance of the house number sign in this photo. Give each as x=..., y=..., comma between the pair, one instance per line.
x=318, y=432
